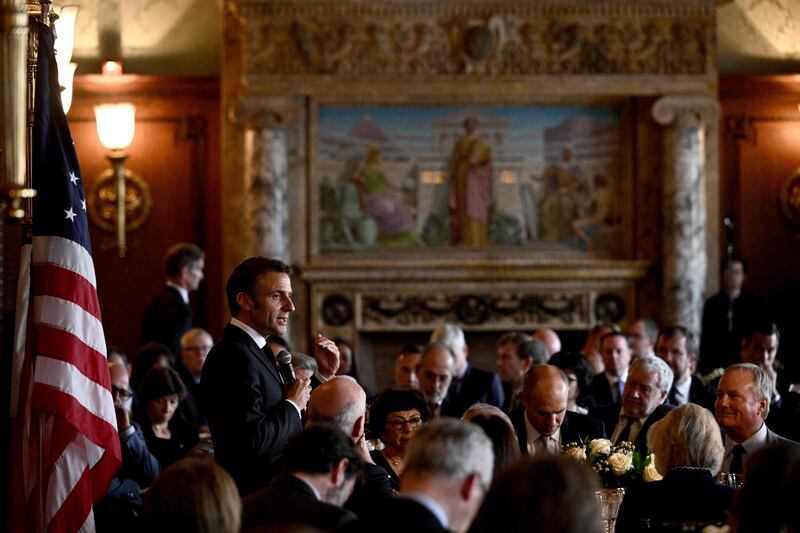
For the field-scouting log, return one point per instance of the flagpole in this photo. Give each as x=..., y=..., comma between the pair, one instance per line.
x=15, y=192
x=41, y=12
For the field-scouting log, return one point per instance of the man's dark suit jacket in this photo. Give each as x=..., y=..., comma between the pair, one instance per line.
x=575, y=427
x=287, y=499
x=191, y=406
x=166, y=319
x=601, y=390
x=249, y=420
x=476, y=386
x=699, y=393
x=609, y=415
x=398, y=515
x=684, y=496
x=374, y=488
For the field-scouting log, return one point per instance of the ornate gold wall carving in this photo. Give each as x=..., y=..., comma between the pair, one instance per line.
x=473, y=39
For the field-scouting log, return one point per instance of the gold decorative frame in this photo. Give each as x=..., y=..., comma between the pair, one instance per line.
x=102, y=201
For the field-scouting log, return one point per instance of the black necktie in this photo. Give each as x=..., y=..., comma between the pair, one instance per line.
x=267, y=351
x=626, y=430
x=736, y=459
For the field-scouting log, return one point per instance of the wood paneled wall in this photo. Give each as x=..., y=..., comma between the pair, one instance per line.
x=761, y=148
x=176, y=152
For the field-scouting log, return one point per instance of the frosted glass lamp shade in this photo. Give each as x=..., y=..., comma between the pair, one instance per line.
x=115, y=125
x=65, y=79
x=65, y=34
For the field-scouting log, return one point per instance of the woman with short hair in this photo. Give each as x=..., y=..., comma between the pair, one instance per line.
x=688, y=450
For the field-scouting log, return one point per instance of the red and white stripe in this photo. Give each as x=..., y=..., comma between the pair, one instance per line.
x=71, y=387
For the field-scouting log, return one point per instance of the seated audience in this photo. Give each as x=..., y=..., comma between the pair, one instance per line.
x=642, y=335
x=591, y=348
x=511, y=366
x=435, y=373
x=580, y=373
x=543, y=494
x=304, y=365
x=649, y=381
x=543, y=424
x=447, y=473
x=195, y=345
x=469, y=384
x=760, y=347
x=341, y=402
x=688, y=452
x=677, y=346
x=607, y=386
x=193, y=495
x=347, y=361
x=405, y=367
x=119, y=509
x=742, y=406
x=395, y=416
x=550, y=339
x=497, y=426
x=150, y=355
x=321, y=467
x=168, y=435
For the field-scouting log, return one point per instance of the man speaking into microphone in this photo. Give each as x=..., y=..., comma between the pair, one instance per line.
x=252, y=409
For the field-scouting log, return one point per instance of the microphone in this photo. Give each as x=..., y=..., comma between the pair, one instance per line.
x=285, y=367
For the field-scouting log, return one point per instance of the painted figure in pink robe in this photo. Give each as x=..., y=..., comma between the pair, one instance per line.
x=470, y=188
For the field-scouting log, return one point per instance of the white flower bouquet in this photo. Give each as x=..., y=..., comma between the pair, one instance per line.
x=617, y=465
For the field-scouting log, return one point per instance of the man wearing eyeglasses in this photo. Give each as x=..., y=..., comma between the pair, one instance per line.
x=195, y=345
x=139, y=466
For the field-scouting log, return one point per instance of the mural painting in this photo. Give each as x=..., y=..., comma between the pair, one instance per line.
x=546, y=178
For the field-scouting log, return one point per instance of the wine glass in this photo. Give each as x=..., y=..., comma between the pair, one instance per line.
x=610, y=500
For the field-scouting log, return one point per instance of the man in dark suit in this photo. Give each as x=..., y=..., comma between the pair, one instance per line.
x=607, y=387
x=511, y=365
x=646, y=389
x=195, y=345
x=118, y=510
x=435, y=373
x=448, y=469
x=251, y=413
x=742, y=406
x=543, y=425
x=469, y=385
x=321, y=468
x=677, y=346
x=168, y=316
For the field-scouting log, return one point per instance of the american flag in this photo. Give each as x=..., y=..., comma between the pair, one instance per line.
x=61, y=365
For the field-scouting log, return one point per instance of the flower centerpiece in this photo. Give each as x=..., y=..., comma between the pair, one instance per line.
x=617, y=465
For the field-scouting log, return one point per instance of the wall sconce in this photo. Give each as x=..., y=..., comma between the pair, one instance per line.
x=65, y=40
x=118, y=193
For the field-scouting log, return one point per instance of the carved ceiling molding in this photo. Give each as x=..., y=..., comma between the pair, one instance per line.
x=463, y=39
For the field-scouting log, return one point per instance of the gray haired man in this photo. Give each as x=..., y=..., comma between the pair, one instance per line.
x=647, y=386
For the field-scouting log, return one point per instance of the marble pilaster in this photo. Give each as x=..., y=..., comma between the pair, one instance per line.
x=685, y=231
x=266, y=175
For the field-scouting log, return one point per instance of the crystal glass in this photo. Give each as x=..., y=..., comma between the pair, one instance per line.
x=610, y=500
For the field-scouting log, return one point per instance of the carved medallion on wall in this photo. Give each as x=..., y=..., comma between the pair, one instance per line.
x=470, y=39
x=790, y=198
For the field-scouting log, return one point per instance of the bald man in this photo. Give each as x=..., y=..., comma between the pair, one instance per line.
x=550, y=339
x=342, y=402
x=543, y=424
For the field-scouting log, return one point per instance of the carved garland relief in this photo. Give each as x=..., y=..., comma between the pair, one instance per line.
x=495, y=45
